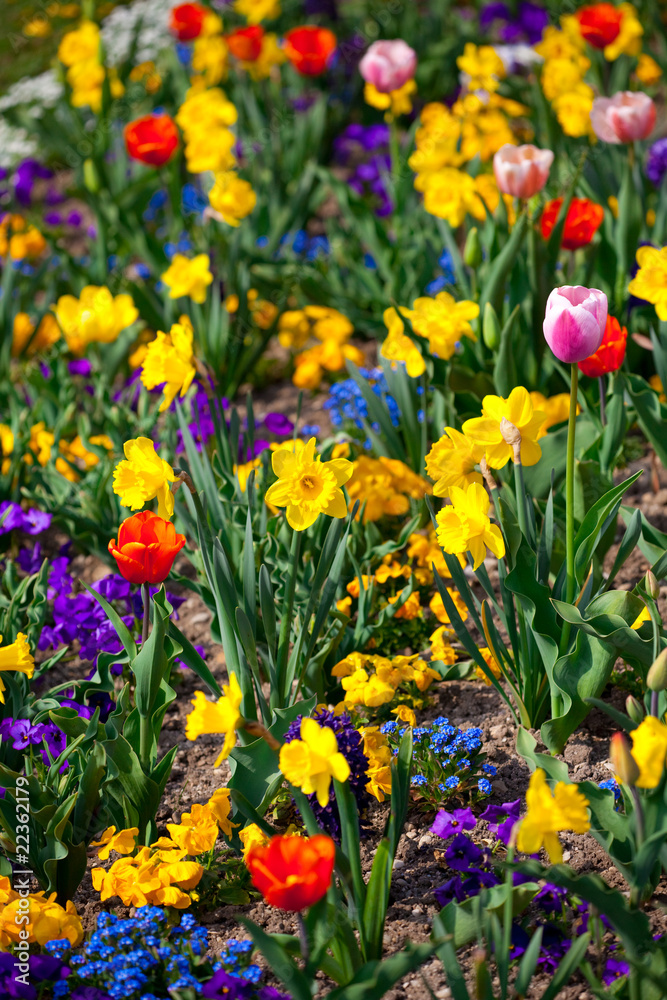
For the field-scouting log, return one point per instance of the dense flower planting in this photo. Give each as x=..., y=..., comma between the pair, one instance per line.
x=333, y=350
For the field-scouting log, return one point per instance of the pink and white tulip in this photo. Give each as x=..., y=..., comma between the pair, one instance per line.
x=625, y=117
x=521, y=171
x=388, y=65
x=575, y=321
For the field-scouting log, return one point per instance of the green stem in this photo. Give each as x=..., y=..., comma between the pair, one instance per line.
x=570, y=581
x=145, y=727
x=286, y=617
x=146, y=597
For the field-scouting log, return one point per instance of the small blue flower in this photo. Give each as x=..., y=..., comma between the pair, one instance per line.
x=418, y=780
x=484, y=786
x=452, y=782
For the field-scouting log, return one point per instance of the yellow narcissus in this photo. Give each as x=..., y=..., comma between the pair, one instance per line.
x=307, y=486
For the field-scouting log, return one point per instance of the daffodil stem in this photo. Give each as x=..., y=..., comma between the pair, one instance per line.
x=569, y=515
x=286, y=616
x=146, y=596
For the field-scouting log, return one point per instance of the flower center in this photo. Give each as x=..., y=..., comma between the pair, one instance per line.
x=311, y=486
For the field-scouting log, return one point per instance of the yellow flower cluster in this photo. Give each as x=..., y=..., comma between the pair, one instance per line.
x=159, y=875
x=20, y=239
x=80, y=52
x=296, y=327
x=447, y=139
x=26, y=339
x=395, y=102
x=73, y=453
x=205, y=118
x=96, y=316
x=169, y=361
x=482, y=67
x=384, y=485
x=370, y=681
x=262, y=312
x=256, y=11
x=547, y=814
x=48, y=920
x=379, y=760
x=312, y=761
x=210, y=54
x=563, y=71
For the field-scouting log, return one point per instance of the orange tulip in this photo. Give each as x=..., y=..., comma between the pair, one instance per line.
x=292, y=873
x=152, y=139
x=309, y=49
x=584, y=218
x=246, y=43
x=147, y=546
x=611, y=352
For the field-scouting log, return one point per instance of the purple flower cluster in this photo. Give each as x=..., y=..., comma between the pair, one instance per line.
x=351, y=745
x=527, y=25
x=366, y=150
x=14, y=518
x=656, y=162
x=24, y=733
x=42, y=967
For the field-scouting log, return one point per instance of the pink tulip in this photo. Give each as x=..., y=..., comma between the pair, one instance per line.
x=388, y=65
x=521, y=171
x=575, y=321
x=624, y=117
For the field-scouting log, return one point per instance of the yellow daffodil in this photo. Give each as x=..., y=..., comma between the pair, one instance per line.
x=307, y=486
x=169, y=360
x=96, y=316
x=232, y=197
x=311, y=762
x=555, y=409
x=80, y=45
x=650, y=281
x=465, y=526
x=452, y=462
x=188, y=277
x=547, y=815
x=222, y=716
x=394, y=102
x=485, y=431
x=121, y=841
x=252, y=836
x=649, y=749
x=397, y=346
x=144, y=476
x=16, y=657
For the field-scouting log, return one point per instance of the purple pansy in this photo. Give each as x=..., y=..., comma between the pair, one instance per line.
x=446, y=824
x=462, y=854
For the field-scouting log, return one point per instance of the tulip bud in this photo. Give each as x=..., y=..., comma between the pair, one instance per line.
x=625, y=765
x=625, y=117
x=634, y=709
x=491, y=328
x=388, y=64
x=574, y=322
x=91, y=179
x=521, y=171
x=651, y=585
x=472, y=252
x=657, y=675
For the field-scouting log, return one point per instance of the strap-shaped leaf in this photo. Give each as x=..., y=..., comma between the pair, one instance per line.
x=122, y=630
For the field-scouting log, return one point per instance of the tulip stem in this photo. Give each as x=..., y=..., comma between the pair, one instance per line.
x=146, y=595
x=603, y=400
x=556, y=700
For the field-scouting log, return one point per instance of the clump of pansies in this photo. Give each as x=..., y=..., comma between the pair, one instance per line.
x=447, y=762
x=147, y=957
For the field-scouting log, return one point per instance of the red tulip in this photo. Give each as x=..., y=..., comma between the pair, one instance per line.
x=611, y=352
x=187, y=21
x=292, y=873
x=309, y=49
x=246, y=43
x=600, y=24
x=152, y=139
x=147, y=546
x=584, y=218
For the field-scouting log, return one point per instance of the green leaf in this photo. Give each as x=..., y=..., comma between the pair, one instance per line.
x=151, y=664
x=279, y=961
x=193, y=660
x=375, y=978
x=121, y=628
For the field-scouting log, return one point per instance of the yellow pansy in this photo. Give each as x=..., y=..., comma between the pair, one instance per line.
x=121, y=841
